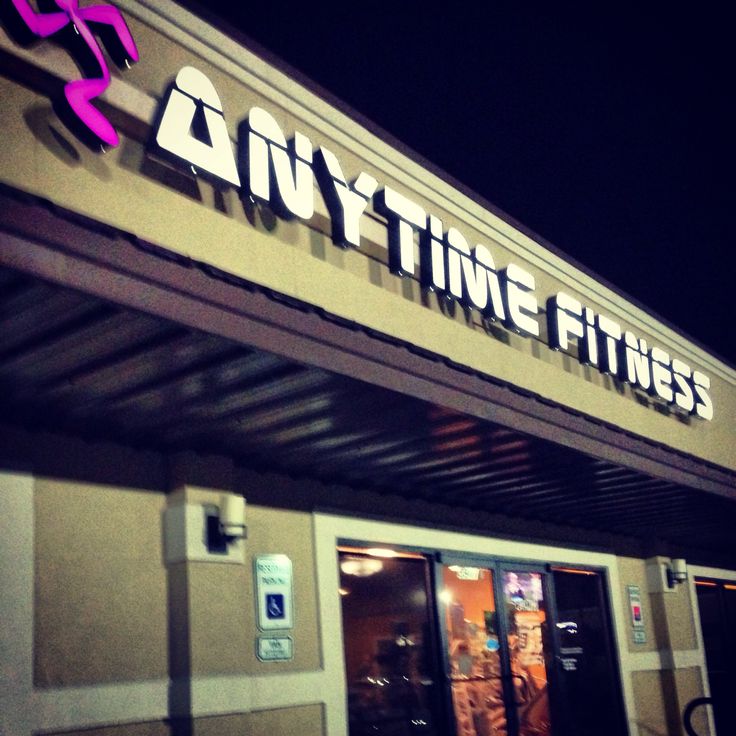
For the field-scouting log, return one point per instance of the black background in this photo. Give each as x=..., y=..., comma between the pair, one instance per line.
x=605, y=128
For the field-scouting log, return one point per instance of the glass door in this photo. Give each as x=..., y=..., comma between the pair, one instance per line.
x=526, y=627
x=390, y=657
x=589, y=696
x=717, y=605
x=528, y=650
x=473, y=651
x=524, y=649
x=494, y=620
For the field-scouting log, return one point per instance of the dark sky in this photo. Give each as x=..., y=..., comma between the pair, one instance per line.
x=606, y=128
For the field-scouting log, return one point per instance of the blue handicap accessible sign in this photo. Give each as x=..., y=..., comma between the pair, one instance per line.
x=274, y=605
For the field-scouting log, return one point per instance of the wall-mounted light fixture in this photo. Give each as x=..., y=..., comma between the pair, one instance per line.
x=676, y=572
x=232, y=516
x=209, y=531
x=225, y=523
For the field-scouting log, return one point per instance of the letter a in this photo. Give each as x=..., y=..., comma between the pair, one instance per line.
x=192, y=88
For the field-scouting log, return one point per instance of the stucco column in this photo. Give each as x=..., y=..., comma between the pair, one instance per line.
x=16, y=603
x=205, y=622
x=682, y=661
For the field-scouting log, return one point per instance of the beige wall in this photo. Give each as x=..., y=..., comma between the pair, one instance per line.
x=673, y=613
x=662, y=687
x=107, y=607
x=219, y=619
x=133, y=191
x=304, y=720
x=222, y=600
x=100, y=589
x=688, y=683
x=650, y=704
x=661, y=698
x=149, y=728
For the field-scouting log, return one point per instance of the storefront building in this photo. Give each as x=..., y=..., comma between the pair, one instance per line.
x=485, y=494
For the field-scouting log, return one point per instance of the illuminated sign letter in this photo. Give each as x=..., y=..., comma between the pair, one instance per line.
x=661, y=375
x=345, y=203
x=610, y=334
x=684, y=397
x=193, y=95
x=433, y=256
x=565, y=319
x=472, y=275
x=404, y=216
x=704, y=406
x=290, y=164
x=520, y=301
x=635, y=367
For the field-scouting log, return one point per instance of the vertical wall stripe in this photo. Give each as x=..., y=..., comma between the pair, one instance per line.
x=16, y=603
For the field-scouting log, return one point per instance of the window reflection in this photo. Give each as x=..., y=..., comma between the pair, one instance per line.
x=388, y=640
x=473, y=651
x=526, y=621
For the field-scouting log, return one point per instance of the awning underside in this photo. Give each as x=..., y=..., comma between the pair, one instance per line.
x=75, y=364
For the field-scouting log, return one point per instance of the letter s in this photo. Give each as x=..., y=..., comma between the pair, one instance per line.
x=704, y=404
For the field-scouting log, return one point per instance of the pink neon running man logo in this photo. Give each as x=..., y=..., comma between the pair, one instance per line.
x=80, y=92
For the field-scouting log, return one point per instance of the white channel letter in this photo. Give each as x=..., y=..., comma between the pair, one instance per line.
x=703, y=407
x=472, y=275
x=346, y=204
x=432, y=256
x=192, y=88
x=566, y=317
x=661, y=375
x=292, y=165
x=589, y=347
x=520, y=300
x=684, y=398
x=610, y=332
x=404, y=217
x=636, y=364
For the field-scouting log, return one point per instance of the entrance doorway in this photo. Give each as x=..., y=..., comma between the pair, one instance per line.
x=529, y=650
x=589, y=699
x=437, y=644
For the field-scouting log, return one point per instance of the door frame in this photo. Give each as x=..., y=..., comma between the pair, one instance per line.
x=497, y=566
x=331, y=530
x=714, y=573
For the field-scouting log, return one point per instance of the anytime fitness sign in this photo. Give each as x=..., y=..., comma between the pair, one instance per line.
x=192, y=129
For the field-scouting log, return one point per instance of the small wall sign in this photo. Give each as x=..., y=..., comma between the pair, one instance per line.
x=274, y=593
x=275, y=648
x=637, y=618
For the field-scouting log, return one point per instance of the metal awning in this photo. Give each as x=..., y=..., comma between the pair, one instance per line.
x=129, y=365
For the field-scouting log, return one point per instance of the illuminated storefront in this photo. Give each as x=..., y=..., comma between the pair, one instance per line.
x=470, y=469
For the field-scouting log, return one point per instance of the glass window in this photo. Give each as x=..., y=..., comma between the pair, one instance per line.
x=526, y=621
x=473, y=651
x=389, y=657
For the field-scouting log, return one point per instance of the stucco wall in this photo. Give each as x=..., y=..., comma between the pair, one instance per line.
x=106, y=603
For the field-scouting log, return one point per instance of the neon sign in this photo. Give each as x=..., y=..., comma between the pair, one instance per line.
x=80, y=92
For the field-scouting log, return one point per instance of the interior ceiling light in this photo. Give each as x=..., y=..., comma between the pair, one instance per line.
x=382, y=552
x=361, y=567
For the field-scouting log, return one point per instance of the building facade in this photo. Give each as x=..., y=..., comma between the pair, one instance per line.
x=485, y=494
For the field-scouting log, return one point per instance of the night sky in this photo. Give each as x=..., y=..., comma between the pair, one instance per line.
x=605, y=128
